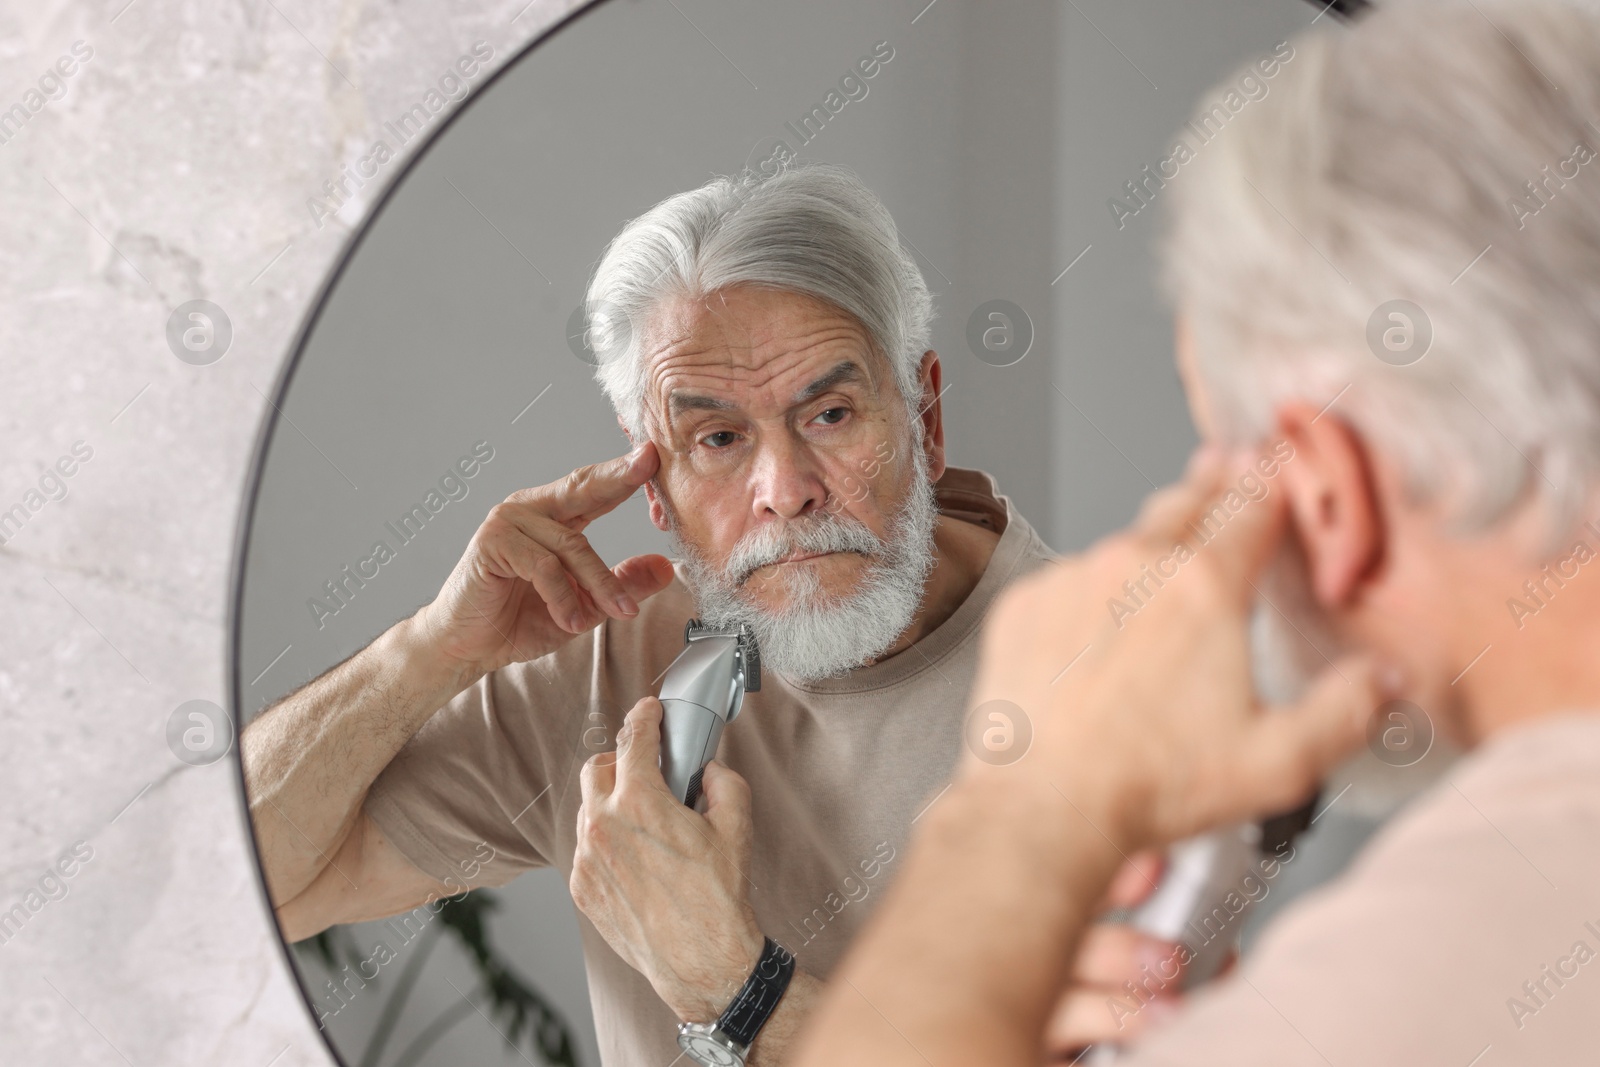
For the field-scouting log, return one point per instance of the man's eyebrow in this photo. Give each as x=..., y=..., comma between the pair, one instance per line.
x=681, y=402
x=847, y=371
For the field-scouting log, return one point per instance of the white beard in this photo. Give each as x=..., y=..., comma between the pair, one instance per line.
x=817, y=636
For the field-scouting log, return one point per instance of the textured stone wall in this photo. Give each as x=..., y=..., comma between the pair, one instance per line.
x=153, y=154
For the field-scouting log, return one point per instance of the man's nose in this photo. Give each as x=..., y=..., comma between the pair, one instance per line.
x=787, y=481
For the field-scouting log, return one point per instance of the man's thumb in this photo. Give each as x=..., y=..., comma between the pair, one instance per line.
x=1290, y=750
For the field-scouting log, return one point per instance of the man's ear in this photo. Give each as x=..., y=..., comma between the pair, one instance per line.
x=931, y=414
x=1333, y=500
x=658, y=514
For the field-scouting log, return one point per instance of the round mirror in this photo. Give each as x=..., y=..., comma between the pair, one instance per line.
x=1021, y=150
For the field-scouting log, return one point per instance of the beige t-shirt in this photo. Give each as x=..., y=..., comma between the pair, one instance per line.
x=1417, y=956
x=837, y=771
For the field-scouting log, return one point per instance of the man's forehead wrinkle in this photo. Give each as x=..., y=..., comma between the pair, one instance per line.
x=732, y=333
x=795, y=318
x=710, y=377
x=690, y=353
x=691, y=334
x=753, y=351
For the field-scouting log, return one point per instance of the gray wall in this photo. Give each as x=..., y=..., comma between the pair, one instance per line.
x=1129, y=75
x=996, y=135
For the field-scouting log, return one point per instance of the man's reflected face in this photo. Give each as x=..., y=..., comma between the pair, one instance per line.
x=790, y=466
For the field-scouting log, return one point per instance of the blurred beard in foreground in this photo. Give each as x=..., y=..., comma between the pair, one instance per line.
x=815, y=635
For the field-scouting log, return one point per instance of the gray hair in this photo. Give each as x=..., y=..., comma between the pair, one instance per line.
x=814, y=229
x=1388, y=163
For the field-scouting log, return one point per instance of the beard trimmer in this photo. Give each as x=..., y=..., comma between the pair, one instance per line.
x=1201, y=872
x=701, y=693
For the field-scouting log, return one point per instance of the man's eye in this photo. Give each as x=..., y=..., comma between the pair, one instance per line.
x=832, y=415
x=720, y=439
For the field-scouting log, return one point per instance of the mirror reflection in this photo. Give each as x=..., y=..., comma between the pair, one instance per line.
x=734, y=356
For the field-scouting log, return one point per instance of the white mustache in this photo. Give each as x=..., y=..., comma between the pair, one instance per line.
x=772, y=544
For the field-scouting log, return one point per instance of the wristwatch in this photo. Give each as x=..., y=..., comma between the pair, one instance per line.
x=726, y=1042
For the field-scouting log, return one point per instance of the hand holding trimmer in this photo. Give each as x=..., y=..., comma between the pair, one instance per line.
x=701, y=693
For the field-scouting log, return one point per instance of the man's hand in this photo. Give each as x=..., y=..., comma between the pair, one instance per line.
x=1093, y=1008
x=666, y=886
x=1153, y=733
x=1142, y=734
x=529, y=580
x=527, y=583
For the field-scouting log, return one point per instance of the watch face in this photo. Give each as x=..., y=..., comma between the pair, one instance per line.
x=709, y=1049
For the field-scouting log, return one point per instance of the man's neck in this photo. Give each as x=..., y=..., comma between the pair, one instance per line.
x=961, y=552
x=1521, y=627
x=1546, y=668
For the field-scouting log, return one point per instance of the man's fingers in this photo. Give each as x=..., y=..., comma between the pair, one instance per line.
x=639, y=741
x=1286, y=752
x=727, y=801
x=587, y=570
x=536, y=534
x=1166, y=513
x=1224, y=509
x=1098, y=1016
x=512, y=551
x=644, y=576
x=1256, y=515
x=563, y=568
x=1135, y=879
x=589, y=492
x=1113, y=953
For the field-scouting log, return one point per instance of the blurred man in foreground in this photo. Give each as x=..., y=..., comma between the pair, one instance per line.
x=1427, y=541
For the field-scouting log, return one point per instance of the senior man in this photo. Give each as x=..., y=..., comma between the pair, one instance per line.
x=1426, y=542
x=765, y=345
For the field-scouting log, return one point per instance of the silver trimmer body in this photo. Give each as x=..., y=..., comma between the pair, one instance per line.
x=701, y=693
x=1184, y=908
x=1200, y=874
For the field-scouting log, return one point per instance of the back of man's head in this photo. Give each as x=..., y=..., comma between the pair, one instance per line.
x=1443, y=154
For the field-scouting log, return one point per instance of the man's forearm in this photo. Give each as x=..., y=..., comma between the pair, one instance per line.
x=310, y=758
x=964, y=960
x=775, y=1045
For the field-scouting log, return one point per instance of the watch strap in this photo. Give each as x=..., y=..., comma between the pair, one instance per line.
x=759, y=996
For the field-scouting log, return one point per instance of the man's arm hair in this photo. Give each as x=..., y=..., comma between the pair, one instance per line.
x=309, y=760
x=368, y=878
